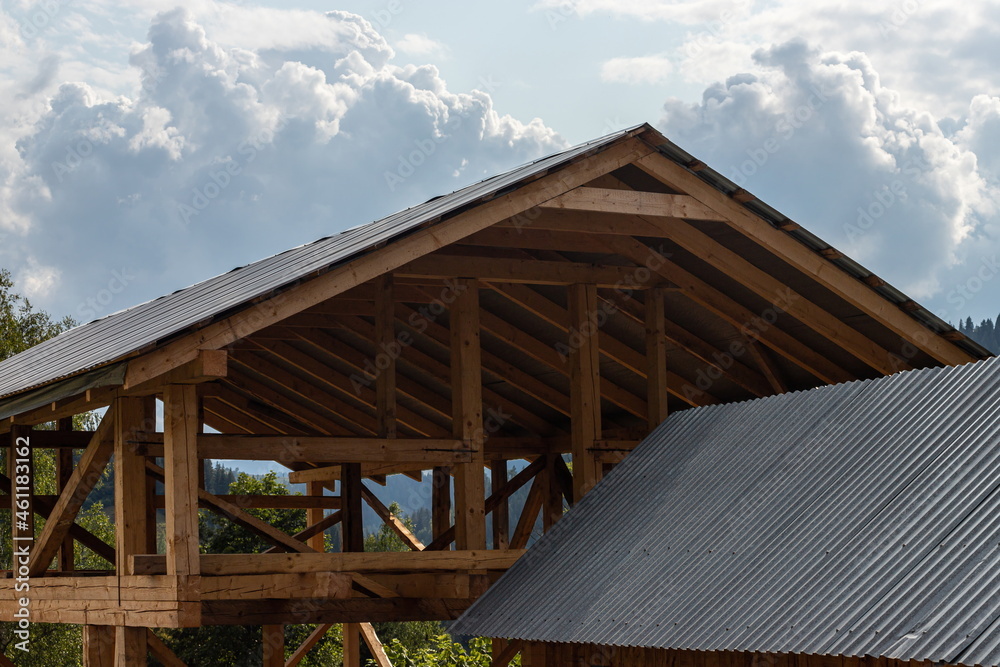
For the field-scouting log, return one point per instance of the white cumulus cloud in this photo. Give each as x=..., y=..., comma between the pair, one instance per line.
x=641, y=70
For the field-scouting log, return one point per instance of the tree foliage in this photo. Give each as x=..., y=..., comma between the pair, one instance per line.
x=21, y=326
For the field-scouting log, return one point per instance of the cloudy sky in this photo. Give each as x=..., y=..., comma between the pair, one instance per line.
x=149, y=144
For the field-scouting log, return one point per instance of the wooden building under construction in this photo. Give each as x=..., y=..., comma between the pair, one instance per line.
x=563, y=308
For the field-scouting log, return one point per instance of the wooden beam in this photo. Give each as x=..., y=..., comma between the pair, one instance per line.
x=92, y=399
x=85, y=476
x=130, y=482
x=467, y=402
x=180, y=460
x=441, y=502
x=305, y=448
x=767, y=367
x=352, y=645
x=530, y=271
x=656, y=358
x=364, y=562
x=387, y=350
x=374, y=645
x=266, y=501
x=529, y=515
x=273, y=640
x=385, y=259
x=389, y=519
x=606, y=200
x=131, y=648
x=313, y=530
x=508, y=653
x=161, y=651
x=315, y=515
x=209, y=365
x=307, y=645
x=585, y=394
x=753, y=324
x=797, y=254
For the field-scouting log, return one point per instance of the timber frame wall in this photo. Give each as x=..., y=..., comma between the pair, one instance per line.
x=569, y=315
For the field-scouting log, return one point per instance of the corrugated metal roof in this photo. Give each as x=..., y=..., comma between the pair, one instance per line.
x=857, y=519
x=126, y=332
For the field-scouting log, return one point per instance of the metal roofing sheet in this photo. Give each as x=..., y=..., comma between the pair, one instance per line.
x=131, y=330
x=857, y=519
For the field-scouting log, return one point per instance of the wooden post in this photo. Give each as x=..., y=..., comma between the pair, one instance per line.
x=467, y=417
x=352, y=527
x=149, y=409
x=552, y=510
x=180, y=461
x=98, y=646
x=131, y=648
x=656, y=357
x=352, y=645
x=386, y=351
x=130, y=484
x=314, y=515
x=441, y=501
x=21, y=470
x=64, y=468
x=274, y=645
x=501, y=513
x=585, y=393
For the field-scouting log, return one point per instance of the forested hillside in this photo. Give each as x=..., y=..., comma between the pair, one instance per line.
x=986, y=333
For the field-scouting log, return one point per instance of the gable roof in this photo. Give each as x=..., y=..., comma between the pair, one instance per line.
x=856, y=519
x=151, y=325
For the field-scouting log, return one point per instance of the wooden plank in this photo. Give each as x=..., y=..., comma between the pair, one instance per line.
x=315, y=515
x=91, y=399
x=441, y=502
x=503, y=657
x=528, y=271
x=307, y=645
x=767, y=367
x=264, y=501
x=161, y=651
x=820, y=268
x=388, y=258
x=207, y=366
x=630, y=202
x=656, y=358
x=529, y=515
x=130, y=481
x=585, y=394
x=180, y=461
x=467, y=405
x=98, y=646
x=387, y=350
x=131, y=648
x=374, y=645
x=411, y=561
x=273, y=640
x=84, y=477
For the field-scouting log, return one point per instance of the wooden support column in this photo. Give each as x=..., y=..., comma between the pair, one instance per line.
x=552, y=508
x=64, y=468
x=180, y=461
x=467, y=419
x=441, y=501
x=352, y=527
x=131, y=648
x=501, y=512
x=274, y=645
x=314, y=515
x=656, y=357
x=352, y=645
x=149, y=409
x=585, y=394
x=98, y=646
x=21, y=470
x=130, y=483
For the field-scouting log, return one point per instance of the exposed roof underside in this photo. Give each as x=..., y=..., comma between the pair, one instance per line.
x=857, y=519
x=298, y=375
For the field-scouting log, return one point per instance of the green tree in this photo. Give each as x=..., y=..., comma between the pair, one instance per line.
x=21, y=326
x=442, y=651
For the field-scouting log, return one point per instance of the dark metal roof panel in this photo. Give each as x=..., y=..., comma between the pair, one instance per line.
x=857, y=519
x=126, y=332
